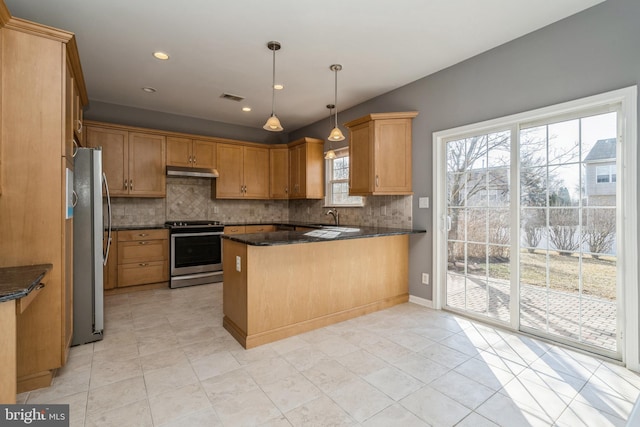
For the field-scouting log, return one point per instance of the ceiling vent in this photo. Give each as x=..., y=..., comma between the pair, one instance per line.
x=232, y=97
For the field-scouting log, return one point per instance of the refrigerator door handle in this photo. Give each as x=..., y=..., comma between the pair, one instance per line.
x=106, y=189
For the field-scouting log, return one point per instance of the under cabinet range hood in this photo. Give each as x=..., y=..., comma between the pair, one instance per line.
x=192, y=172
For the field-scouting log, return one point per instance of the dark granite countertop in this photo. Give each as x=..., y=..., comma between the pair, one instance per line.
x=138, y=227
x=18, y=282
x=281, y=223
x=321, y=234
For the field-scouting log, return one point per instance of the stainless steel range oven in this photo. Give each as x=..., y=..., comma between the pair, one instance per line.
x=196, y=252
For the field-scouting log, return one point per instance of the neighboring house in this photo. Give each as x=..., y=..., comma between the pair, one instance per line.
x=484, y=187
x=600, y=174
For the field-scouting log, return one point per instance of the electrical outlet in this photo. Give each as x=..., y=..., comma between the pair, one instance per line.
x=215, y=209
x=423, y=202
x=425, y=278
x=238, y=263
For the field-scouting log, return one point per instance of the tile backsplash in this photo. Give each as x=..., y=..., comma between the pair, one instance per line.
x=190, y=199
x=380, y=211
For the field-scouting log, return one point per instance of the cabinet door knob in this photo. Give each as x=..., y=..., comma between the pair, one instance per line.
x=143, y=264
x=126, y=184
x=377, y=181
x=79, y=129
x=39, y=286
x=194, y=160
x=131, y=184
x=142, y=243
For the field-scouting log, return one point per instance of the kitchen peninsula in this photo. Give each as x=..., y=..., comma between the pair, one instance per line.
x=283, y=283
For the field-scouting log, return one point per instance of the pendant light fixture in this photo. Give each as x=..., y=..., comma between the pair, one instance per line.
x=330, y=155
x=336, y=134
x=273, y=124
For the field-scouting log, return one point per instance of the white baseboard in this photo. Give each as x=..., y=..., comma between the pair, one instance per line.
x=421, y=301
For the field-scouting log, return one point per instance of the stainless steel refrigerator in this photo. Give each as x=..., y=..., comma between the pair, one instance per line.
x=89, y=256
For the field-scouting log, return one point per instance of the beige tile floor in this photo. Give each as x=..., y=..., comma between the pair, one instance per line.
x=166, y=361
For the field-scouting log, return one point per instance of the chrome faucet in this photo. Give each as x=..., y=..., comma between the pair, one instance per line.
x=334, y=213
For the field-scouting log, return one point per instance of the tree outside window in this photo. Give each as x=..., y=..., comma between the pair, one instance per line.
x=338, y=182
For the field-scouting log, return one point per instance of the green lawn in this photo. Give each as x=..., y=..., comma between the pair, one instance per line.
x=598, y=275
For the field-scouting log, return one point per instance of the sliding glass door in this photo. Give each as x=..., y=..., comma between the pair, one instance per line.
x=478, y=223
x=531, y=223
x=568, y=253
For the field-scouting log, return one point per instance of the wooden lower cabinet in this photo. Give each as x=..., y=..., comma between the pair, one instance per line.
x=142, y=273
x=245, y=229
x=269, y=299
x=234, y=229
x=259, y=228
x=143, y=257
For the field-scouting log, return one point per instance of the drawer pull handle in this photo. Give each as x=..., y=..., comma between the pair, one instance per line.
x=39, y=286
x=143, y=234
x=143, y=264
x=142, y=243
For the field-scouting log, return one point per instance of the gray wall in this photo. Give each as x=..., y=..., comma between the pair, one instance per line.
x=589, y=53
x=120, y=114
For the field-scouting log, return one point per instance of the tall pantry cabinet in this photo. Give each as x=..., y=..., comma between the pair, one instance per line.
x=42, y=90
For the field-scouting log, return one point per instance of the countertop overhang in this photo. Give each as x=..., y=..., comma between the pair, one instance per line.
x=319, y=234
x=18, y=282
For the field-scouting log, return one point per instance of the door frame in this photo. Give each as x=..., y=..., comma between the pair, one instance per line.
x=628, y=295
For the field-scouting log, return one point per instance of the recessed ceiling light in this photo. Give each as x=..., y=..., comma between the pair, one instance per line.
x=278, y=86
x=149, y=89
x=161, y=55
x=246, y=109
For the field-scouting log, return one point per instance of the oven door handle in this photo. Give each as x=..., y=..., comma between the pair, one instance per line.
x=197, y=275
x=212, y=233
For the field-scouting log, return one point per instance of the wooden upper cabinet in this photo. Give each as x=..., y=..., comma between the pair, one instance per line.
x=69, y=148
x=77, y=114
x=306, y=169
x=229, y=185
x=244, y=172
x=146, y=165
x=187, y=152
x=256, y=173
x=279, y=173
x=134, y=162
x=115, y=156
x=179, y=151
x=204, y=154
x=380, y=154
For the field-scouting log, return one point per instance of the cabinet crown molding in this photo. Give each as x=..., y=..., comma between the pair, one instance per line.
x=380, y=116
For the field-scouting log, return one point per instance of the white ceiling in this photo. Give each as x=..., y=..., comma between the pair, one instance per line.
x=219, y=46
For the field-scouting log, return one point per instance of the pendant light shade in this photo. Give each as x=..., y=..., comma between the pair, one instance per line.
x=330, y=155
x=273, y=124
x=336, y=133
